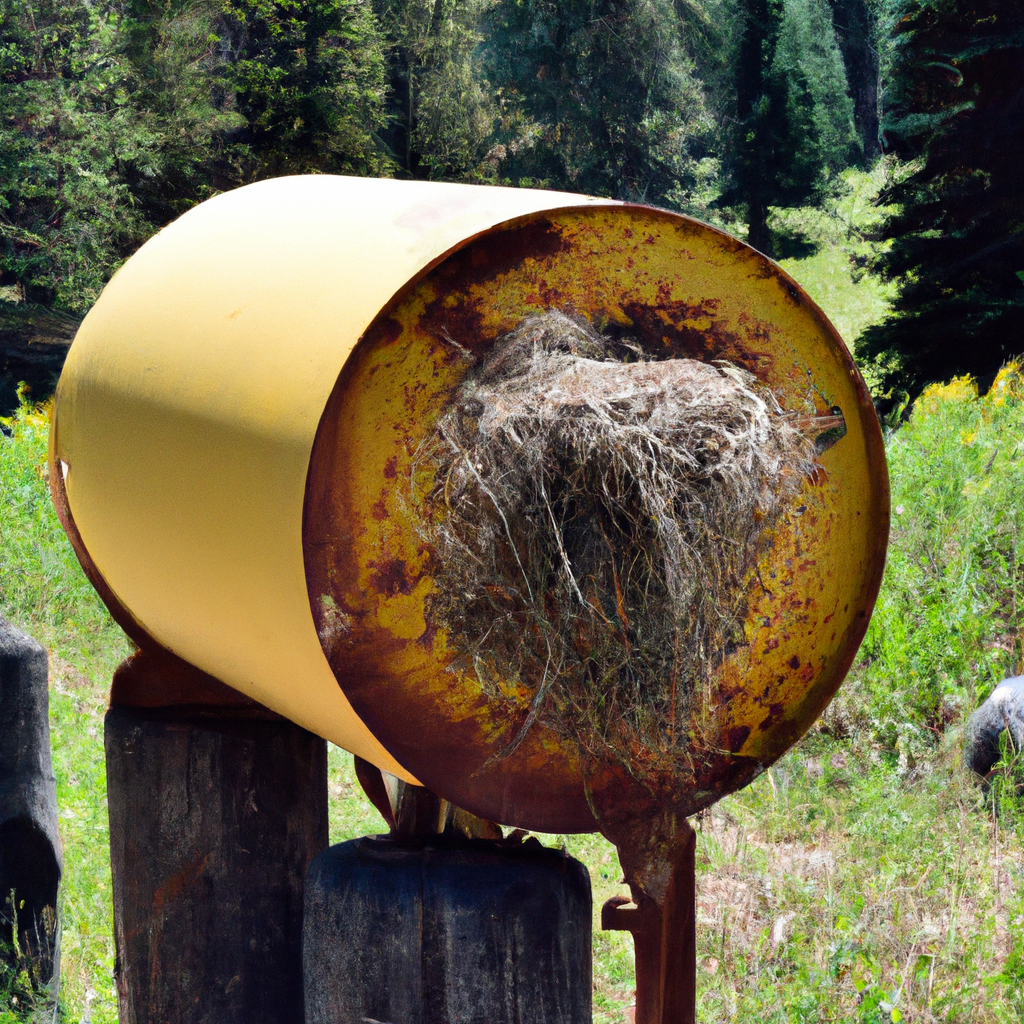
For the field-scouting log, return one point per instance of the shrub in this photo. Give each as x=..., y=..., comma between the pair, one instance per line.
x=947, y=626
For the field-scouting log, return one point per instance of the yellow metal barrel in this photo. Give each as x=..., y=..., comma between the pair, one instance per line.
x=237, y=421
x=186, y=412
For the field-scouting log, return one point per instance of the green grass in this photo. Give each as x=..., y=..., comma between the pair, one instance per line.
x=948, y=621
x=44, y=592
x=841, y=231
x=837, y=889
x=862, y=879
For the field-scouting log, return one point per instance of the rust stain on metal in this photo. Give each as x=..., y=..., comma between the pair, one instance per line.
x=391, y=577
x=677, y=289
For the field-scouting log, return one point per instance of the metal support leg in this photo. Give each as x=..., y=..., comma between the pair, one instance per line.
x=665, y=942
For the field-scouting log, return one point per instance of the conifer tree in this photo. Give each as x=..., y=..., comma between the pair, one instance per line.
x=809, y=56
x=956, y=106
x=117, y=117
x=308, y=79
x=793, y=119
x=68, y=218
x=598, y=96
x=171, y=57
x=440, y=107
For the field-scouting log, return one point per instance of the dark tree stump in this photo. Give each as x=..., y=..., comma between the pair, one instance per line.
x=31, y=860
x=439, y=931
x=215, y=815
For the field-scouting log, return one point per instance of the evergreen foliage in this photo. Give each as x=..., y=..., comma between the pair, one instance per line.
x=456, y=110
x=793, y=119
x=307, y=78
x=168, y=54
x=117, y=117
x=67, y=127
x=956, y=108
x=809, y=57
x=440, y=106
x=114, y=119
x=600, y=97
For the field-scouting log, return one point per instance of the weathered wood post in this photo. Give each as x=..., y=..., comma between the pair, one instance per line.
x=31, y=859
x=217, y=806
x=431, y=927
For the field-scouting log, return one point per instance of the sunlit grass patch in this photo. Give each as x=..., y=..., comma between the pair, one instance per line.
x=841, y=237
x=835, y=889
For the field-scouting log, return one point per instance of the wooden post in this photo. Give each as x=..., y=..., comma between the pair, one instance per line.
x=441, y=930
x=30, y=851
x=217, y=807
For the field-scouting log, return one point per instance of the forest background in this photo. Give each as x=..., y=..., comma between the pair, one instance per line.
x=874, y=147
x=116, y=117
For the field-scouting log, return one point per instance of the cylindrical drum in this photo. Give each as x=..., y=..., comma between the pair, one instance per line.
x=246, y=445
x=189, y=402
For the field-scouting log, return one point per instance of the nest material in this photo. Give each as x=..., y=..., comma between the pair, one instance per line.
x=597, y=519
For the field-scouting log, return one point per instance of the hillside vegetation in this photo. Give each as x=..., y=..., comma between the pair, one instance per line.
x=117, y=117
x=863, y=878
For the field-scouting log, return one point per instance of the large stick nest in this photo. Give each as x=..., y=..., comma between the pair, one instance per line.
x=597, y=519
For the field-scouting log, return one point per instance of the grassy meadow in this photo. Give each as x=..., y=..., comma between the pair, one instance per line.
x=864, y=878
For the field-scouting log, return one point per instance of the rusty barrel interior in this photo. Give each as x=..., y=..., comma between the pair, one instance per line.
x=679, y=289
x=235, y=431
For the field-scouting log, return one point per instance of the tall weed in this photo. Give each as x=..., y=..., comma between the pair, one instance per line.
x=947, y=626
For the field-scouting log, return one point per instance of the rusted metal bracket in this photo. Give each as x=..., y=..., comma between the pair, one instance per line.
x=665, y=942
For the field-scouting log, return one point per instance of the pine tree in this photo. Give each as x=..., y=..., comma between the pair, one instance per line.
x=170, y=54
x=956, y=107
x=598, y=96
x=115, y=118
x=307, y=79
x=440, y=106
x=793, y=119
x=809, y=56
x=68, y=218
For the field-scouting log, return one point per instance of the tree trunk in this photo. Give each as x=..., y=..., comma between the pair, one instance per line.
x=437, y=931
x=856, y=34
x=758, y=234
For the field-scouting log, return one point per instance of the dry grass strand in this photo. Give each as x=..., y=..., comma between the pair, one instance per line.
x=596, y=517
